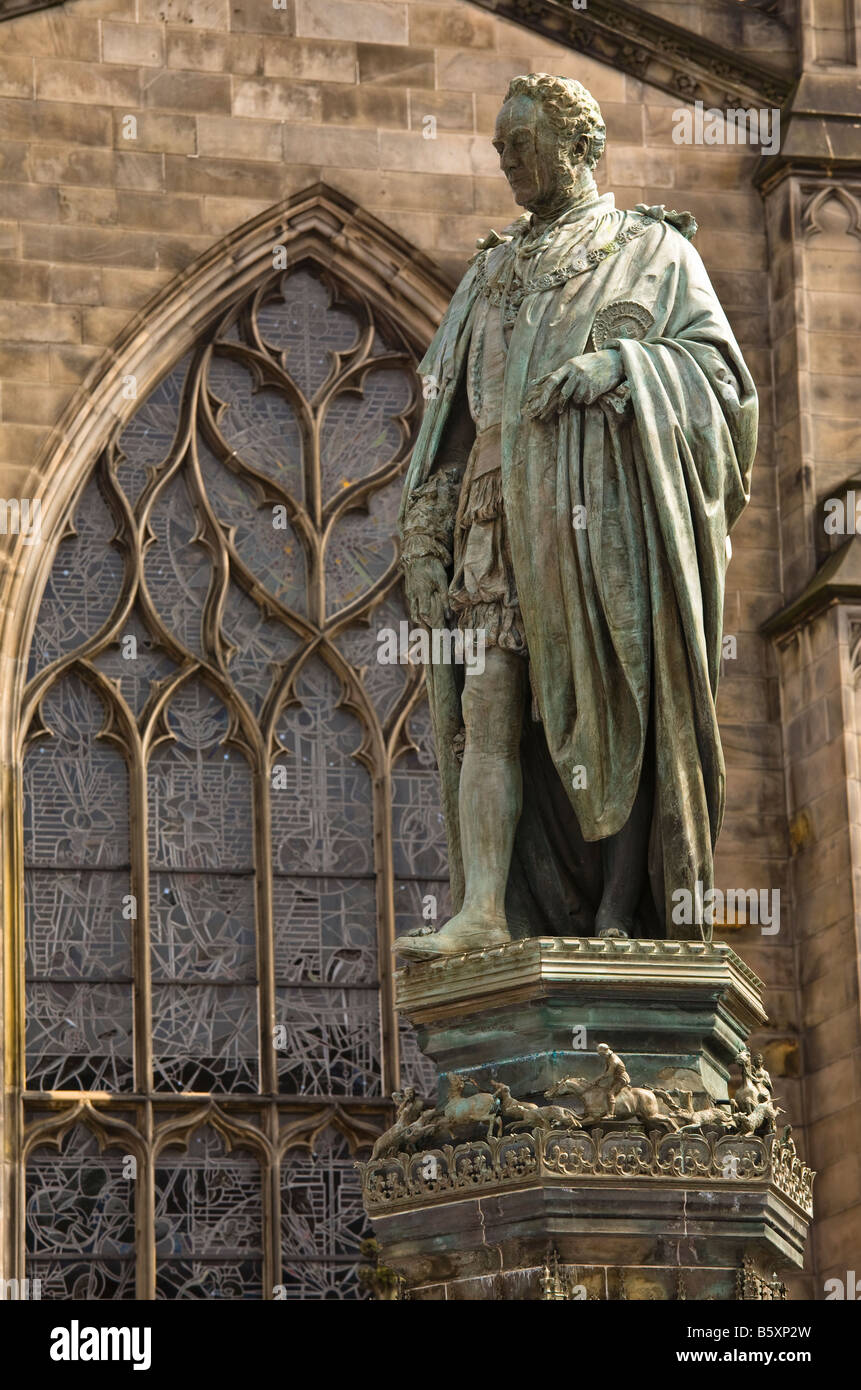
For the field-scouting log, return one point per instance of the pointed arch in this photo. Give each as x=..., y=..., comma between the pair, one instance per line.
x=319, y=225
x=822, y=202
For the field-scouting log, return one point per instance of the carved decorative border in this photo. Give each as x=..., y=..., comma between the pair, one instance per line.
x=729, y=1161
x=651, y=49
x=424, y=989
x=11, y=9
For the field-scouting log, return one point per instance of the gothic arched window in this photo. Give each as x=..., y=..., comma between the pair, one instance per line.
x=228, y=800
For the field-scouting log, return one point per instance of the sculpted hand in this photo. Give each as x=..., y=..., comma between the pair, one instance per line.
x=426, y=585
x=579, y=381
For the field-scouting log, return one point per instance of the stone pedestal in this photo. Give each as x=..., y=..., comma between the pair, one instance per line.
x=533, y=1011
x=622, y=1207
x=490, y=1222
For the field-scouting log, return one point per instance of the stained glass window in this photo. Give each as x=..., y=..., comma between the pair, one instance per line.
x=229, y=801
x=208, y=1221
x=322, y=1221
x=80, y=1220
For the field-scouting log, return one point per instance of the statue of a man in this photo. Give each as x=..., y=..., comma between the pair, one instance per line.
x=760, y=1077
x=614, y=1076
x=586, y=448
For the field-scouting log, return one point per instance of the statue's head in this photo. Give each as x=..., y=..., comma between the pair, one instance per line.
x=547, y=134
x=603, y=1048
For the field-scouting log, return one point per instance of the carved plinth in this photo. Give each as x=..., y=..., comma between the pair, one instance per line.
x=678, y=1012
x=628, y=1215
x=643, y=1179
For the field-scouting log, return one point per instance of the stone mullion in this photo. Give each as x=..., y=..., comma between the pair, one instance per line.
x=271, y=1207
x=16, y=1233
x=384, y=853
x=269, y=1218
x=263, y=895
x=139, y=888
x=314, y=502
x=14, y=998
x=142, y=997
x=385, y=876
x=145, y=1259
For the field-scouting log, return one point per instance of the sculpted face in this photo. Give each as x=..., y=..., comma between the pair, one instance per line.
x=527, y=150
x=529, y=154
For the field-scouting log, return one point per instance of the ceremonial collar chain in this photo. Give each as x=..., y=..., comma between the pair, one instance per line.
x=497, y=290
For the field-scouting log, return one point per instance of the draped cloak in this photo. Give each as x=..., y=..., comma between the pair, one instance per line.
x=623, y=617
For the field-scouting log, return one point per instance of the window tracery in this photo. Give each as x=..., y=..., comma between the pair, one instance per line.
x=226, y=801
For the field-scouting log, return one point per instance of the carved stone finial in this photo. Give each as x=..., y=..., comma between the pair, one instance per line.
x=753, y=1286
x=554, y=1283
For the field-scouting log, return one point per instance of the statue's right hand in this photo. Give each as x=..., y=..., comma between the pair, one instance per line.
x=426, y=585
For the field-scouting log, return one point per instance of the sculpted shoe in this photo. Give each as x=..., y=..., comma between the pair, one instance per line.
x=461, y=934
x=618, y=927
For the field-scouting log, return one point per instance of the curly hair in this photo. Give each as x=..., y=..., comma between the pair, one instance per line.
x=570, y=109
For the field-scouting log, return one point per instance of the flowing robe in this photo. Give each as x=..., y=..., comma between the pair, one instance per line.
x=623, y=617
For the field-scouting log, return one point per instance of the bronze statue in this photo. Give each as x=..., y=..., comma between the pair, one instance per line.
x=460, y=1113
x=753, y=1104
x=409, y=1108
x=525, y=1114
x=612, y=1097
x=586, y=449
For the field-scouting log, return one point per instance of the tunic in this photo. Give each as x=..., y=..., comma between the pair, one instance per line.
x=483, y=591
